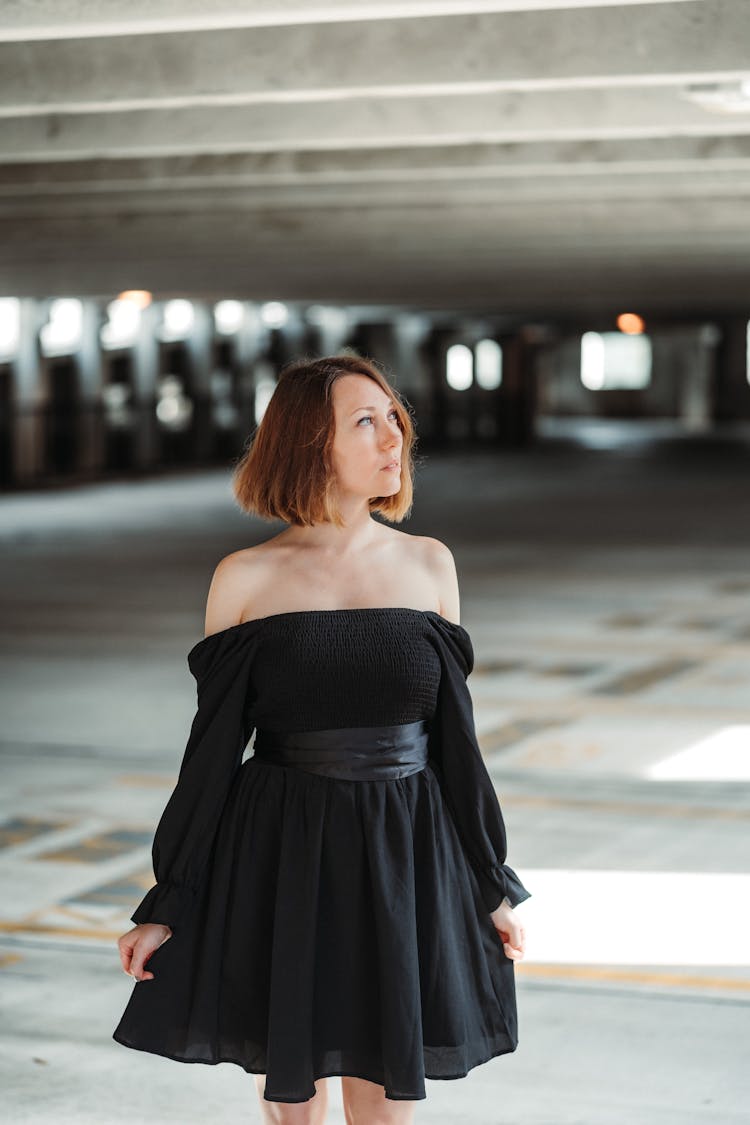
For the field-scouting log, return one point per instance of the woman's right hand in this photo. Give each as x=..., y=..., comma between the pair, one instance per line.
x=511, y=930
x=137, y=945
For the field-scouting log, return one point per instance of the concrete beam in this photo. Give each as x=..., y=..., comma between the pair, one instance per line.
x=577, y=116
x=428, y=164
x=60, y=19
x=668, y=43
x=673, y=188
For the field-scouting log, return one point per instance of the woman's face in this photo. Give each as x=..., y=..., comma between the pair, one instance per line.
x=367, y=438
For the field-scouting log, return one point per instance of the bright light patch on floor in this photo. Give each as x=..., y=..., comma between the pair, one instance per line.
x=723, y=756
x=636, y=917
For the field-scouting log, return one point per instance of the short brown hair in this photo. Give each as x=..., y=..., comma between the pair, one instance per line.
x=285, y=471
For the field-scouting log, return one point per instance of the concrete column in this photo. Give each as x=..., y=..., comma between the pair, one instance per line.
x=517, y=400
x=377, y=340
x=330, y=327
x=30, y=396
x=91, y=451
x=731, y=401
x=433, y=350
x=292, y=338
x=413, y=376
x=696, y=389
x=146, y=443
x=252, y=343
x=199, y=346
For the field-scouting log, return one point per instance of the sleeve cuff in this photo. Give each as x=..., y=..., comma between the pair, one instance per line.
x=498, y=883
x=164, y=903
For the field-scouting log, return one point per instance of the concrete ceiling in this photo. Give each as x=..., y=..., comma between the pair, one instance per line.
x=519, y=156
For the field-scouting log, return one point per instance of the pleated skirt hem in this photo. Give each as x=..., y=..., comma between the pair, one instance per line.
x=376, y=1077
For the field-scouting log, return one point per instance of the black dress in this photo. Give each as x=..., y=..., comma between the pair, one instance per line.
x=323, y=926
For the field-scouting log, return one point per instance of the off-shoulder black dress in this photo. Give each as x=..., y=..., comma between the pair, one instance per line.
x=320, y=925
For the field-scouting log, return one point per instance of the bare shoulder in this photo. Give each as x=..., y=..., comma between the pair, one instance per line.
x=234, y=578
x=437, y=559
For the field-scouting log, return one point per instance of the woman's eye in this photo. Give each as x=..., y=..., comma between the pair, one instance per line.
x=368, y=417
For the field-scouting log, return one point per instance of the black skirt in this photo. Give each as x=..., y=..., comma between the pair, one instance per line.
x=338, y=930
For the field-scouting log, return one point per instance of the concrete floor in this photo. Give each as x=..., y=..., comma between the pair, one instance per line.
x=605, y=584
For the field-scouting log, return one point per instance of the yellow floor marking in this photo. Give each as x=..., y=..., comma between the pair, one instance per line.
x=62, y=931
x=640, y=808
x=633, y=976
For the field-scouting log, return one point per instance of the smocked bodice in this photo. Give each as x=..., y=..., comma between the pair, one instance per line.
x=318, y=669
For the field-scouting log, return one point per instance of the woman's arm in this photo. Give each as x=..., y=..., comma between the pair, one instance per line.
x=219, y=733
x=457, y=758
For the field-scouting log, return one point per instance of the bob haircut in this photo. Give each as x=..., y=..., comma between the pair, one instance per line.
x=285, y=471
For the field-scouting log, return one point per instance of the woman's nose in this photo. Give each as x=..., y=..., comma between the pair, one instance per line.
x=393, y=438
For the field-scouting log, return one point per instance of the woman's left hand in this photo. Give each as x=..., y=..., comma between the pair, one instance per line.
x=505, y=921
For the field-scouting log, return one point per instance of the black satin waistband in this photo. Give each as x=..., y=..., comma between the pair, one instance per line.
x=348, y=753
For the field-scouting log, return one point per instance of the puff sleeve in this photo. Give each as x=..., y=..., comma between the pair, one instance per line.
x=219, y=733
x=458, y=763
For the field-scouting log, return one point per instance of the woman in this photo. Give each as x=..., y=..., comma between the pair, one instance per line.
x=338, y=903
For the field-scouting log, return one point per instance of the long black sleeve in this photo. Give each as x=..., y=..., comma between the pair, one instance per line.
x=218, y=737
x=458, y=763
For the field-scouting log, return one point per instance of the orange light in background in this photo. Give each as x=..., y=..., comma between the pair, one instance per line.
x=630, y=323
x=139, y=297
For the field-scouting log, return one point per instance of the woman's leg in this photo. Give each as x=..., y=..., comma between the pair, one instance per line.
x=365, y=1103
x=311, y=1112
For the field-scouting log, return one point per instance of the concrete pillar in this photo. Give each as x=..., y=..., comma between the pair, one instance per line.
x=146, y=443
x=91, y=451
x=252, y=343
x=413, y=376
x=286, y=342
x=376, y=340
x=433, y=349
x=292, y=337
x=29, y=396
x=199, y=347
x=329, y=327
x=517, y=398
x=731, y=400
x=696, y=389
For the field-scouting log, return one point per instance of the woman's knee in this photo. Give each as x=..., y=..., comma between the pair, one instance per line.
x=365, y=1103
x=311, y=1112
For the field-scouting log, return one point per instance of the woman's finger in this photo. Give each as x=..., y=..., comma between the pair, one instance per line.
x=137, y=968
x=512, y=933
x=126, y=956
x=513, y=953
